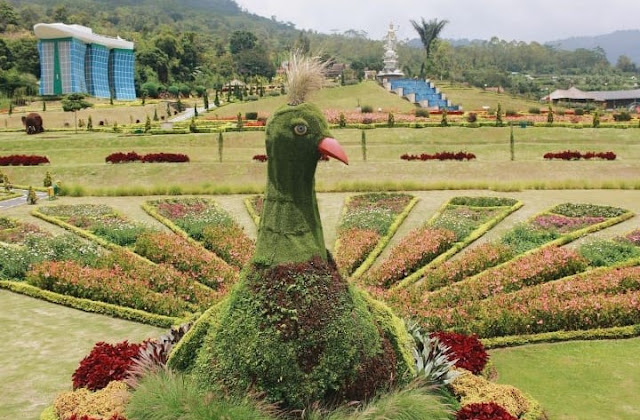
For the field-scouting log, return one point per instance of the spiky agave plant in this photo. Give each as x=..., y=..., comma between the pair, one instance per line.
x=432, y=358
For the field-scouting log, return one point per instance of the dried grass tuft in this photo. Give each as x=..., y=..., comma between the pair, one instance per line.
x=304, y=76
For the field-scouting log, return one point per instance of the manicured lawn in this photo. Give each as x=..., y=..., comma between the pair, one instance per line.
x=43, y=344
x=577, y=380
x=78, y=160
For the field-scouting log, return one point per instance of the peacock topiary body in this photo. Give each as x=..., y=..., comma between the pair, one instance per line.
x=292, y=328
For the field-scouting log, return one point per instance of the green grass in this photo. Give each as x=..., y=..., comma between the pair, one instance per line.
x=78, y=161
x=576, y=380
x=344, y=98
x=44, y=344
x=473, y=99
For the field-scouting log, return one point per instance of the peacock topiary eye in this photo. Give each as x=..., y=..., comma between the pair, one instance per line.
x=300, y=129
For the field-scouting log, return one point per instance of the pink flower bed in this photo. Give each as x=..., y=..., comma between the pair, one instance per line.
x=564, y=224
x=440, y=156
x=418, y=248
x=609, y=298
x=23, y=160
x=468, y=264
x=545, y=265
x=111, y=285
x=634, y=237
x=194, y=261
x=575, y=155
x=354, y=246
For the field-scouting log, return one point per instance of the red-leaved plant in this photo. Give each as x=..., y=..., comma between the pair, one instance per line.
x=106, y=363
x=467, y=349
x=440, y=156
x=484, y=411
x=23, y=160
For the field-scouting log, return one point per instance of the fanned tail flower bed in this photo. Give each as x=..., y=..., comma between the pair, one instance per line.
x=602, y=299
x=367, y=218
x=440, y=156
x=206, y=222
x=16, y=232
x=545, y=265
x=197, y=263
x=23, y=160
x=120, y=157
x=113, y=285
x=576, y=155
x=456, y=222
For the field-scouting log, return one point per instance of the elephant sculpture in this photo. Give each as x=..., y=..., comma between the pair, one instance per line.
x=33, y=123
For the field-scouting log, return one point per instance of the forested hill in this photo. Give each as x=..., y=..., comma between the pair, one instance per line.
x=615, y=44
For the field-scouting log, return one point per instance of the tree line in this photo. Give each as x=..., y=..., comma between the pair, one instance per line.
x=188, y=44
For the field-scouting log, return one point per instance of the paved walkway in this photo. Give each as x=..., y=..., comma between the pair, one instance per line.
x=5, y=204
x=188, y=114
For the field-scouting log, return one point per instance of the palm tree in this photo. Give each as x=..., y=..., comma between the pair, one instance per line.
x=429, y=31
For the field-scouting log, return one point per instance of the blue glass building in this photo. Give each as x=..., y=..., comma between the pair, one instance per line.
x=75, y=60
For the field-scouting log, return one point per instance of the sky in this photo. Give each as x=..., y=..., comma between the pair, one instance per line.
x=520, y=20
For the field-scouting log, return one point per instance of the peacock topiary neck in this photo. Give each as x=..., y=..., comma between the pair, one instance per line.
x=290, y=228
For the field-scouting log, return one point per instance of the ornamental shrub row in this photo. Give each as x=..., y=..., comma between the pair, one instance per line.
x=23, y=160
x=440, y=156
x=120, y=157
x=576, y=155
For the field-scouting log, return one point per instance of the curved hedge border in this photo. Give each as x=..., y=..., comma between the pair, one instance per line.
x=251, y=210
x=612, y=333
x=458, y=246
x=92, y=306
x=384, y=241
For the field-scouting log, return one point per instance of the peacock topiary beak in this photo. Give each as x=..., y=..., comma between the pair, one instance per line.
x=330, y=147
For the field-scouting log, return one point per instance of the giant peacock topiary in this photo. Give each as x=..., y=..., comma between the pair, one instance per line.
x=293, y=329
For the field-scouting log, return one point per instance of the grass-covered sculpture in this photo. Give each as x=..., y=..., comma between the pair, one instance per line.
x=293, y=329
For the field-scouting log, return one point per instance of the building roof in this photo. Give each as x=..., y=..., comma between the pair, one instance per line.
x=576, y=94
x=84, y=34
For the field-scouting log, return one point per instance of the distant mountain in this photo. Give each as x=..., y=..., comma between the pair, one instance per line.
x=614, y=44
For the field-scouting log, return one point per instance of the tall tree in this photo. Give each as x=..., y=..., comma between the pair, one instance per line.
x=429, y=32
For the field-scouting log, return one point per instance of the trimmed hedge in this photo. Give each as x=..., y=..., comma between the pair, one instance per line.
x=23, y=160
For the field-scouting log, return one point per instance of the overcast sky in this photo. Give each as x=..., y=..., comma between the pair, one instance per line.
x=540, y=20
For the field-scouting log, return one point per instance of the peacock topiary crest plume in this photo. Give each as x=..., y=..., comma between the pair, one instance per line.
x=304, y=76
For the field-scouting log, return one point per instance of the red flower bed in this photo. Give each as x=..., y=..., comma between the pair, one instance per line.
x=260, y=158
x=483, y=411
x=440, y=156
x=104, y=364
x=23, y=160
x=165, y=157
x=120, y=157
x=575, y=155
x=467, y=349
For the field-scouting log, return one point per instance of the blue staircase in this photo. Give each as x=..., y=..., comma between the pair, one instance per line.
x=425, y=93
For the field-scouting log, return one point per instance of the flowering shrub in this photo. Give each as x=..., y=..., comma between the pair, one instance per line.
x=468, y=264
x=105, y=363
x=587, y=210
x=545, y=265
x=564, y=224
x=418, y=248
x=197, y=263
x=101, y=220
x=120, y=157
x=575, y=155
x=608, y=298
x=467, y=349
x=207, y=222
x=23, y=160
x=440, y=156
x=353, y=247
x=367, y=218
x=634, y=237
x=115, y=285
x=484, y=411
x=15, y=232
